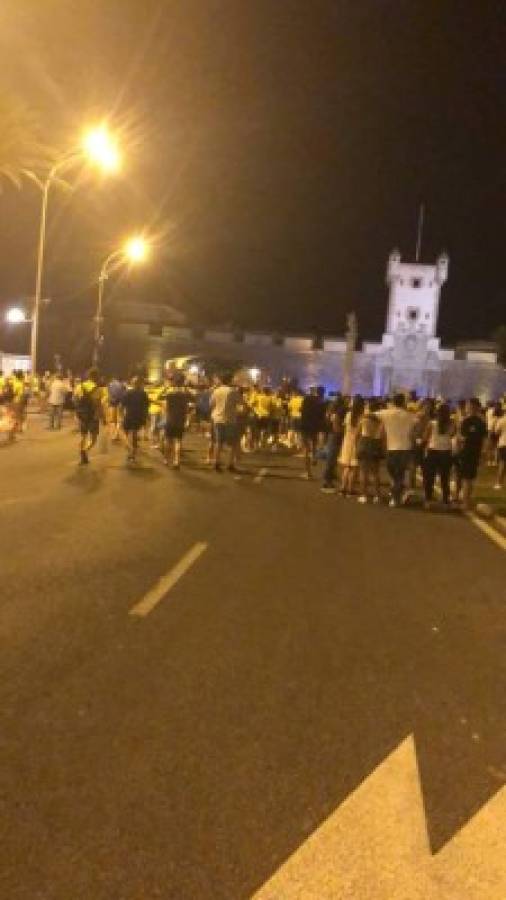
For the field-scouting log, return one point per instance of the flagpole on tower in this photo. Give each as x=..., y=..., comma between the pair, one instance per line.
x=421, y=216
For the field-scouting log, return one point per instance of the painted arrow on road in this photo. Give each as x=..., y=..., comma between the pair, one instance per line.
x=375, y=845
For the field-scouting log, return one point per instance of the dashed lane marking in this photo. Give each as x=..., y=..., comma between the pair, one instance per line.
x=491, y=532
x=167, y=582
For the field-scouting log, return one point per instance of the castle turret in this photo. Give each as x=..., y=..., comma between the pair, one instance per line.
x=442, y=264
x=414, y=294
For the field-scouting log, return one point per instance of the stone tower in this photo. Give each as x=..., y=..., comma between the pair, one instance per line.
x=415, y=291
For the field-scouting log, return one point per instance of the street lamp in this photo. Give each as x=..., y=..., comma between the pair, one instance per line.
x=16, y=316
x=98, y=148
x=134, y=251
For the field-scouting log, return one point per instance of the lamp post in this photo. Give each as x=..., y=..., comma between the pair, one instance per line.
x=98, y=147
x=134, y=251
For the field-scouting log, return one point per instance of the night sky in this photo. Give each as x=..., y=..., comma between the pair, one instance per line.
x=278, y=149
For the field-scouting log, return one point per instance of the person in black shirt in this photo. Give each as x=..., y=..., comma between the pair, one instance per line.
x=176, y=405
x=473, y=432
x=312, y=416
x=135, y=404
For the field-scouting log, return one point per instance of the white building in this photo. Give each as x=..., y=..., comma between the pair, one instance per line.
x=409, y=356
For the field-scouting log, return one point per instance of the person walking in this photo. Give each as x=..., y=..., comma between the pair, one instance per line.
x=399, y=426
x=310, y=424
x=348, y=456
x=89, y=407
x=176, y=411
x=135, y=414
x=473, y=432
x=115, y=395
x=336, y=413
x=225, y=401
x=370, y=451
x=438, y=439
x=56, y=400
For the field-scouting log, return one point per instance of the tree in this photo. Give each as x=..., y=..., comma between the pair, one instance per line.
x=499, y=337
x=22, y=152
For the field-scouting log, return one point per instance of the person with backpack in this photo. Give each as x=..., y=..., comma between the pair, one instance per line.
x=89, y=408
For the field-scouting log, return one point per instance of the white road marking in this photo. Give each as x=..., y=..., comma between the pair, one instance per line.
x=260, y=477
x=13, y=501
x=375, y=845
x=167, y=582
x=491, y=532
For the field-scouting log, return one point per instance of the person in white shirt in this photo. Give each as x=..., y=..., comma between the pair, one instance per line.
x=58, y=390
x=439, y=437
x=500, y=430
x=399, y=425
x=492, y=416
x=225, y=401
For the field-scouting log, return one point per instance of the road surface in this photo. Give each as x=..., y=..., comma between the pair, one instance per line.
x=291, y=642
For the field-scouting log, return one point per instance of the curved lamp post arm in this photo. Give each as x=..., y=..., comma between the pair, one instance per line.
x=107, y=268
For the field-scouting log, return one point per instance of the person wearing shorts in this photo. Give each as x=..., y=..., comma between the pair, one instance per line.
x=310, y=425
x=225, y=403
x=176, y=411
x=135, y=405
x=473, y=432
x=88, y=401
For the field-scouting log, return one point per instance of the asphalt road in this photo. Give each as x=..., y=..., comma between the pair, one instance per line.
x=188, y=753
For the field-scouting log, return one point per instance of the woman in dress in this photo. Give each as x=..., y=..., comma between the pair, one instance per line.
x=348, y=457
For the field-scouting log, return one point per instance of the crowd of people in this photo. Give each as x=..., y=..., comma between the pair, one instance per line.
x=419, y=441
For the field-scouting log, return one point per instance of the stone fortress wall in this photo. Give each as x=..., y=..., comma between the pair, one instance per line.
x=409, y=356
x=301, y=357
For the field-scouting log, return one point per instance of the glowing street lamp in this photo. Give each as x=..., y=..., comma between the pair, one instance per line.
x=98, y=148
x=16, y=316
x=134, y=251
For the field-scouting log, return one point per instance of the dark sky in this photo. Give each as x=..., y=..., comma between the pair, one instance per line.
x=279, y=147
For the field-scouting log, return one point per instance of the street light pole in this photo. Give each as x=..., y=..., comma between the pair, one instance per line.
x=134, y=251
x=64, y=163
x=102, y=278
x=98, y=148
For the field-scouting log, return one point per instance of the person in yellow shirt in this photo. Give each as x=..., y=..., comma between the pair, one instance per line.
x=19, y=400
x=276, y=421
x=294, y=419
x=264, y=414
x=90, y=411
x=156, y=394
